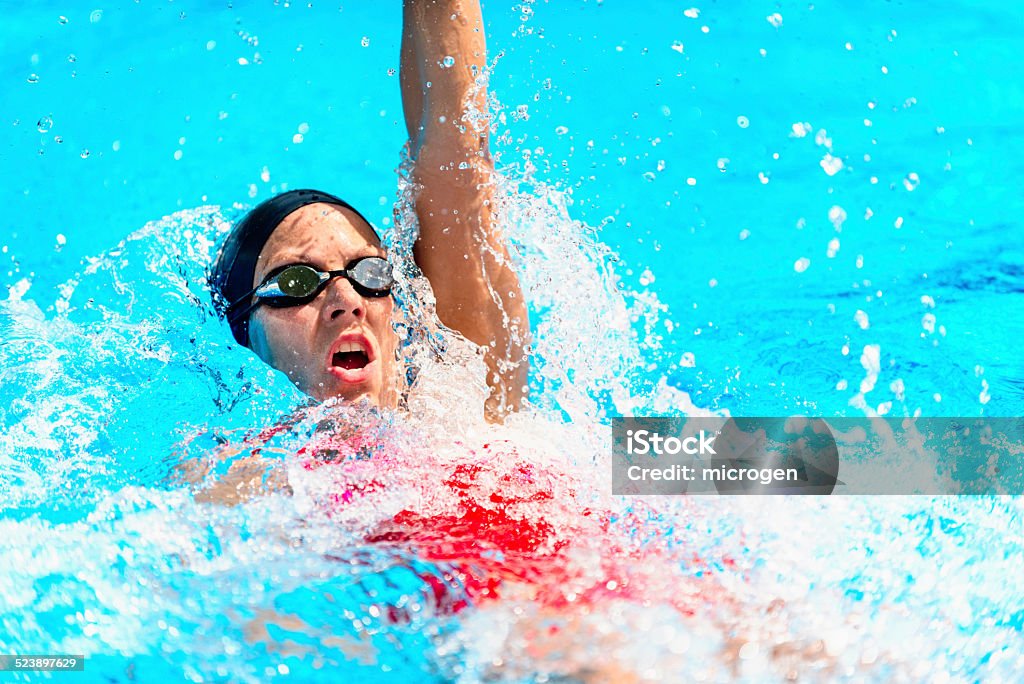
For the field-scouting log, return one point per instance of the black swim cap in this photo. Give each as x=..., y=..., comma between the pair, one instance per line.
x=232, y=273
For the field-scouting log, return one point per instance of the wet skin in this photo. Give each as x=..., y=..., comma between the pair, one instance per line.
x=341, y=344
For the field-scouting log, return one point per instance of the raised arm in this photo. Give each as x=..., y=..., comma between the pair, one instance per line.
x=460, y=249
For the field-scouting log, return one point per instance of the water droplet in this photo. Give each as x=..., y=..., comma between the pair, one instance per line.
x=62, y=20
x=837, y=215
x=44, y=124
x=365, y=42
x=448, y=62
x=33, y=78
x=85, y=154
x=831, y=165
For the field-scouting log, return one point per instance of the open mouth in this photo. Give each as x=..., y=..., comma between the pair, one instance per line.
x=350, y=356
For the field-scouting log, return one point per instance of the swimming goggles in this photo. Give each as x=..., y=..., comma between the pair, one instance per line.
x=299, y=284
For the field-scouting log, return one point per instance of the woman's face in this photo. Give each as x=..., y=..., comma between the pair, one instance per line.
x=341, y=344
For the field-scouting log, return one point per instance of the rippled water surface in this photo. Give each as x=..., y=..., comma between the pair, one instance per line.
x=759, y=209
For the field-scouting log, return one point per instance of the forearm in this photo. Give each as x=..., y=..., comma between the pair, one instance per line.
x=443, y=52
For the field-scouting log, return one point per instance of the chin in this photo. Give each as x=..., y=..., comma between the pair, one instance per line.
x=349, y=393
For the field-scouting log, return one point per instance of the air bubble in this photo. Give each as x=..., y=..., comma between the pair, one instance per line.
x=33, y=78
x=562, y=130
x=62, y=20
x=95, y=16
x=448, y=62
x=742, y=121
x=85, y=153
x=365, y=42
x=44, y=124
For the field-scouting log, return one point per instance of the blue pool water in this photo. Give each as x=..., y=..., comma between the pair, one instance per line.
x=793, y=199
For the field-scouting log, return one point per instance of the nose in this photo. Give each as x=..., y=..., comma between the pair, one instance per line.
x=341, y=301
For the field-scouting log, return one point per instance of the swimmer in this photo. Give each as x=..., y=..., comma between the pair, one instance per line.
x=303, y=279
